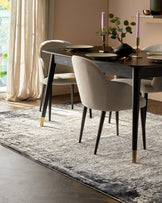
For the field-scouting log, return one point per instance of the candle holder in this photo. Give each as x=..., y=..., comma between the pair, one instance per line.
x=103, y=44
x=137, y=49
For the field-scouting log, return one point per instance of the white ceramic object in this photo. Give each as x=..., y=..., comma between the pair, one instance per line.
x=154, y=53
x=102, y=55
x=72, y=46
x=155, y=58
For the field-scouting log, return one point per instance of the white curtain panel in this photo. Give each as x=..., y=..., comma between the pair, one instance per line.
x=31, y=23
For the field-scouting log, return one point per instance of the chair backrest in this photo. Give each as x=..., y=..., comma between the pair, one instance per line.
x=90, y=81
x=44, y=58
x=95, y=90
x=156, y=81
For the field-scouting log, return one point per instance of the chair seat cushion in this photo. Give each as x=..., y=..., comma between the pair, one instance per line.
x=62, y=79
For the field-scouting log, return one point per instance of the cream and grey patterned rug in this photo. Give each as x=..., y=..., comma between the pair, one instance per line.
x=111, y=171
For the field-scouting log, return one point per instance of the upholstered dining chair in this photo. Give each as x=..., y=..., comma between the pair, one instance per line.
x=64, y=75
x=147, y=85
x=102, y=95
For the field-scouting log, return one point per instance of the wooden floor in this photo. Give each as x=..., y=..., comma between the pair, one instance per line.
x=153, y=106
x=22, y=180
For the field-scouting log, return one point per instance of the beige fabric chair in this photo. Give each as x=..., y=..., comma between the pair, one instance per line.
x=98, y=93
x=154, y=85
x=64, y=75
x=147, y=86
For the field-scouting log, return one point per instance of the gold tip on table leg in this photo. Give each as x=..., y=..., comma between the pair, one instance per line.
x=42, y=121
x=134, y=156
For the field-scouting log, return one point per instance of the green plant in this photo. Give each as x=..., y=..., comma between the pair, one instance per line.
x=117, y=31
x=5, y=4
x=102, y=32
x=2, y=73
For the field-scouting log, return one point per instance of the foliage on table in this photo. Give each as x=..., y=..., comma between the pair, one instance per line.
x=119, y=31
x=102, y=32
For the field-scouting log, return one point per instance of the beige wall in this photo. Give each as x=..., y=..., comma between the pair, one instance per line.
x=77, y=21
x=150, y=33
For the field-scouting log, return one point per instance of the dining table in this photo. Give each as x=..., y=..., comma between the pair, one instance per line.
x=137, y=68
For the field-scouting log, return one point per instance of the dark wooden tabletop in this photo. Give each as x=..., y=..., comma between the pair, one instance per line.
x=143, y=61
x=147, y=68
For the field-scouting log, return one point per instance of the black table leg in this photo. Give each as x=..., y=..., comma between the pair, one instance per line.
x=48, y=87
x=136, y=96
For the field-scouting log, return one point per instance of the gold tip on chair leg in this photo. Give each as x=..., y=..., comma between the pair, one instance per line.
x=42, y=121
x=134, y=156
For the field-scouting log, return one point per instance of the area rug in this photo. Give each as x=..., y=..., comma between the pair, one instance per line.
x=56, y=146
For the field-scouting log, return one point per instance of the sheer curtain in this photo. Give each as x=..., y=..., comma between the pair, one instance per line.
x=31, y=23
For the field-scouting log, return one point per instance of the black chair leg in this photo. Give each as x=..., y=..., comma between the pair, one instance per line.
x=50, y=103
x=42, y=97
x=146, y=97
x=72, y=95
x=110, y=114
x=117, y=122
x=143, y=121
x=100, y=130
x=83, y=122
x=90, y=113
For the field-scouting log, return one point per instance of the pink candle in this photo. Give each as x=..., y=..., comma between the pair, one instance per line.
x=138, y=24
x=103, y=20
